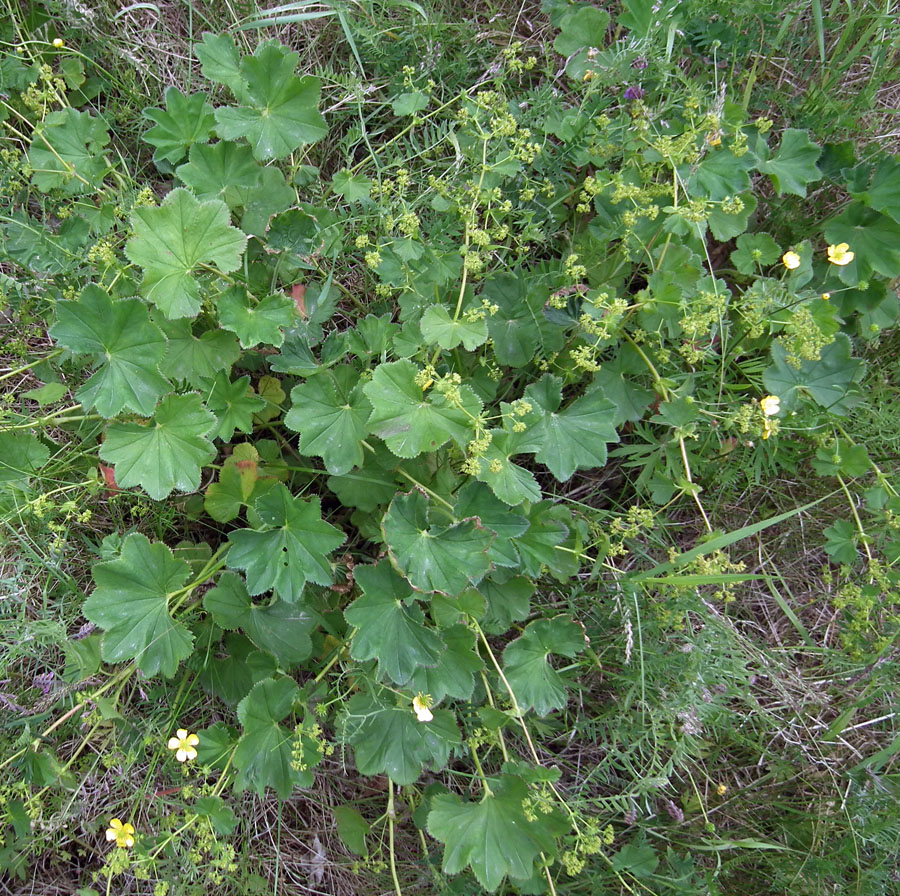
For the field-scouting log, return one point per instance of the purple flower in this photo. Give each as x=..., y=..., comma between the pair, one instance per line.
x=633, y=93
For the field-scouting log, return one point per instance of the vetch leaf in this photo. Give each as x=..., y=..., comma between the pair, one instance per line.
x=173, y=240
x=131, y=348
x=574, y=437
x=445, y=558
x=279, y=111
x=330, y=411
x=533, y=680
x=493, y=836
x=257, y=323
x=165, y=454
x=131, y=604
x=388, y=630
x=409, y=422
x=185, y=122
x=288, y=549
x=263, y=755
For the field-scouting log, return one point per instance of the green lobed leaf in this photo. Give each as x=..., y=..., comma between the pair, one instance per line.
x=130, y=347
x=873, y=238
x=193, y=359
x=445, y=558
x=438, y=328
x=255, y=323
x=330, y=411
x=212, y=171
x=409, y=422
x=390, y=740
x=263, y=755
x=21, y=457
x=279, y=111
x=793, y=167
x=288, y=549
x=831, y=382
x=454, y=673
x=538, y=545
x=353, y=187
x=519, y=330
x=583, y=27
x=66, y=152
x=494, y=836
x=883, y=193
x=172, y=241
x=511, y=483
x=575, y=437
x=476, y=500
x=186, y=121
x=536, y=684
x=234, y=404
x=388, y=629
x=131, y=604
x=280, y=628
x=165, y=454
x=219, y=60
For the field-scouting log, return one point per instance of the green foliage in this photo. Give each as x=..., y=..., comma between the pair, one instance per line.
x=478, y=344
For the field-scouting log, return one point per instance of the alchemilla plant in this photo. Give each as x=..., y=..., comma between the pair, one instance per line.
x=366, y=387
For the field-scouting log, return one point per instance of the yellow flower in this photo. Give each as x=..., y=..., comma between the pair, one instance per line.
x=840, y=254
x=421, y=702
x=768, y=428
x=770, y=405
x=58, y=42
x=184, y=744
x=826, y=296
x=791, y=260
x=123, y=834
x=722, y=789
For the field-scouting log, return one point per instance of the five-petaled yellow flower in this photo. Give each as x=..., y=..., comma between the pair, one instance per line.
x=184, y=744
x=123, y=834
x=421, y=702
x=790, y=260
x=840, y=254
x=770, y=405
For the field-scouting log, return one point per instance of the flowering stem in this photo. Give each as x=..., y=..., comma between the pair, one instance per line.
x=390, y=820
x=25, y=367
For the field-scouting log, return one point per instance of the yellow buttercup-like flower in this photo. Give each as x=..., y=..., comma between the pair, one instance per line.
x=770, y=405
x=421, y=702
x=184, y=745
x=790, y=260
x=840, y=254
x=123, y=834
